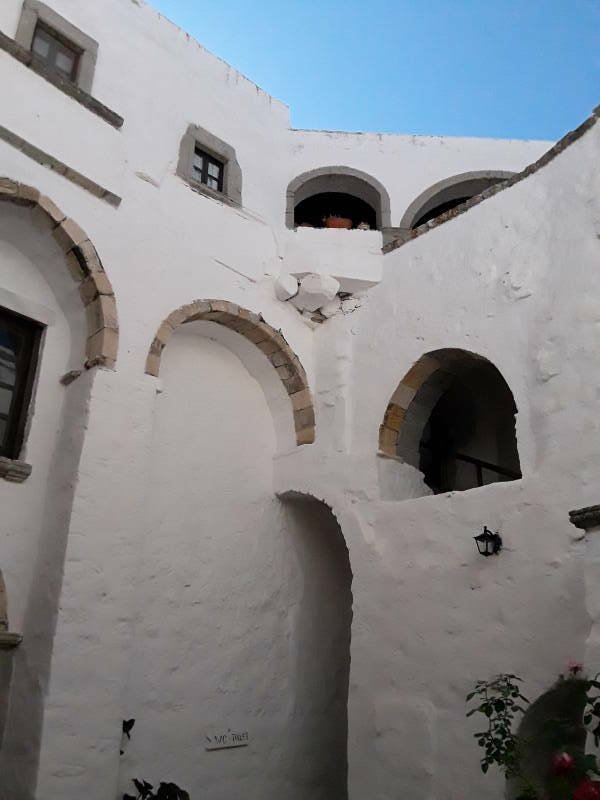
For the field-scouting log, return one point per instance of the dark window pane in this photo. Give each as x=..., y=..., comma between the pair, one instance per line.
x=55, y=52
x=19, y=342
x=208, y=170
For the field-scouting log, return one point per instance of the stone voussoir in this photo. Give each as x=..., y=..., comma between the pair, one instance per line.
x=69, y=234
x=301, y=400
x=102, y=347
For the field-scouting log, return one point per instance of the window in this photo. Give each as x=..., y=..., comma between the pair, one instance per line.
x=208, y=170
x=58, y=45
x=210, y=166
x=55, y=53
x=19, y=346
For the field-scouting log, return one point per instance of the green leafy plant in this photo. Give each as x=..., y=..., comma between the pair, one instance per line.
x=165, y=791
x=548, y=762
x=498, y=701
x=145, y=790
x=591, y=714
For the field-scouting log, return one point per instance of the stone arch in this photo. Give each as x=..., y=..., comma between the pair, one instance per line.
x=416, y=396
x=339, y=179
x=466, y=184
x=265, y=338
x=85, y=266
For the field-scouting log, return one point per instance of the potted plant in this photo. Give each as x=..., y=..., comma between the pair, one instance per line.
x=335, y=221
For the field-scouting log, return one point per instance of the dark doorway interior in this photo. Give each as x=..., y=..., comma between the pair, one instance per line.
x=313, y=210
x=469, y=439
x=440, y=209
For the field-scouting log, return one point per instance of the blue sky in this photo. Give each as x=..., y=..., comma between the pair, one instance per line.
x=525, y=69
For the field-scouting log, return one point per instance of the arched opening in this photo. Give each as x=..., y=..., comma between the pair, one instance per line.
x=340, y=192
x=538, y=741
x=453, y=418
x=322, y=633
x=244, y=600
x=448, y=194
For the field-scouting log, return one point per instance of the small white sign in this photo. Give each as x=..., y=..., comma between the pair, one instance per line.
x=224, y=741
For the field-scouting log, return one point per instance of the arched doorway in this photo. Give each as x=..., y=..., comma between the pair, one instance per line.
x=453, y=417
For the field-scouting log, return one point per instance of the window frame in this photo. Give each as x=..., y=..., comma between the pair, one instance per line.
x=198, y=138
x=35, y=13
x=18, y=412
x=205, y=176
x=49, y=63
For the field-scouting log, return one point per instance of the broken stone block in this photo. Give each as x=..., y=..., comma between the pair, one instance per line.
x=331, y=308
x=315, y=291
x=286, y=286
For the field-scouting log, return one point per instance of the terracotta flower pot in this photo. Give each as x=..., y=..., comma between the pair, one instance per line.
x=338, y=222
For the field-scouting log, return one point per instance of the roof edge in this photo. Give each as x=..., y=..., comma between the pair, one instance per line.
x=548, y=156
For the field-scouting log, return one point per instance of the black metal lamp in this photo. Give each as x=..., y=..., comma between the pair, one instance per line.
x=488, y=543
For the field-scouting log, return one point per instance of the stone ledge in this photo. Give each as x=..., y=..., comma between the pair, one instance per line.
x=8, y=641
x=27, y=58
x=44, y=159
x=585, y=518
x=13, y=470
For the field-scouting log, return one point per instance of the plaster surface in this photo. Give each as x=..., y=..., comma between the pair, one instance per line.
x=142, y=485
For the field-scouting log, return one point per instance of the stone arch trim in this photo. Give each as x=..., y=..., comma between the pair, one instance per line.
x=416, y=395
x=85, y=267
x=416, y=208
x=383, y=212
x=268, y=340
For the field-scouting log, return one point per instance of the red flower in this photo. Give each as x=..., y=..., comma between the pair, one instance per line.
x=587, y=790
x=561, y=763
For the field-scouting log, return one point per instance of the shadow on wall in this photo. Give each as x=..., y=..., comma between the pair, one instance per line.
x=538, y=740
x=40, y=284
x=321, y=659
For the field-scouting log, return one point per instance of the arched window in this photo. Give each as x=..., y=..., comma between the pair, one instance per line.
x=340, y=192
x=448, y=194
x=453, y=417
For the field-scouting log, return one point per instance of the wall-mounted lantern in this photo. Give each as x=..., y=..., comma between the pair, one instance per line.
x=488, y=543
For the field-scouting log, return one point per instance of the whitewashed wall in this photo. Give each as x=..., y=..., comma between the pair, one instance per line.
x=514, y=280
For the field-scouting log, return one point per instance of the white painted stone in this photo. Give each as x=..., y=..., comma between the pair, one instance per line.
x=331, y=308
x=286, y=286
x=147, y=559
x=315, y=291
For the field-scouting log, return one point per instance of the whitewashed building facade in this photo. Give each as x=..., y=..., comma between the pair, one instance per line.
x=243, y=456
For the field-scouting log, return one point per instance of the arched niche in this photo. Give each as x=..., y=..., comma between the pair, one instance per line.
x=449, y=193
x=452, y=417
x=339, y=182
x=265, y=352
